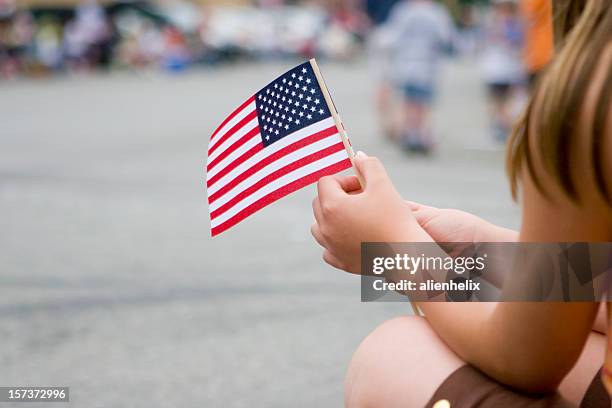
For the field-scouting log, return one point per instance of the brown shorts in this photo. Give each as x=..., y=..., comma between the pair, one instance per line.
x=467, y=387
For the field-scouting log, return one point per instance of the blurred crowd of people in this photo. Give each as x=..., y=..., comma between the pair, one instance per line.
x=172, y=35
x=512, y=39
x=406, y=39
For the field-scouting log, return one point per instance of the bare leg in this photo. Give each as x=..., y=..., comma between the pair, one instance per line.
x=424, y=125
x=384, y=96
x=412, y=117
x=417, y=131
x=497, y=109
x=400, y=364
x=505, y=116
x=575, y=384
x=403, y=361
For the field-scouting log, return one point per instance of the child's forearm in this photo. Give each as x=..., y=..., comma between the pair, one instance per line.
x=512, y=342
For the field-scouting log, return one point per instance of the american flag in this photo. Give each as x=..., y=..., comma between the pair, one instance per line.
x=281, y=139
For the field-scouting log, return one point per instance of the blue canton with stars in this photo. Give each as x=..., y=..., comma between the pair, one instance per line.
x=290, y=103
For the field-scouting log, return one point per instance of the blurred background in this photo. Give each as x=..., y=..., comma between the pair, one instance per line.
x=109, y=280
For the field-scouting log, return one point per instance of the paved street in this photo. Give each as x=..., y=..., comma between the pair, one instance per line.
x=110, y=283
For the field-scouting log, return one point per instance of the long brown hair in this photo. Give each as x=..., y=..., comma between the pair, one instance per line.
x=583, y=30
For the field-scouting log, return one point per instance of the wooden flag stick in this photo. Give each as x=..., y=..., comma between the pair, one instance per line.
x=337, y=120
x=345, y=141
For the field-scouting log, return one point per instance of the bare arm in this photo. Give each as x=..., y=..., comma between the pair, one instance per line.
x=531, y=346
x=528, y=346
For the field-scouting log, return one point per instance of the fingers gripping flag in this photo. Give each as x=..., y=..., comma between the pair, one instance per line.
x=281, y=139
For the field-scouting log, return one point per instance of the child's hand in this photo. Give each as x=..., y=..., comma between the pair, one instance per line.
x=346, y=216
x=448, y=225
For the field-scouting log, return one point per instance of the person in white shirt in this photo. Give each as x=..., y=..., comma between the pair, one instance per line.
x=416, y=36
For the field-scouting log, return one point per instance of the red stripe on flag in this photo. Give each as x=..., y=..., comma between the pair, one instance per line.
x=269, y=159
x=233, y=115
x=237, y=162
x=233, y=130
x=250, y=134
x=275, y=175
x=280, y=193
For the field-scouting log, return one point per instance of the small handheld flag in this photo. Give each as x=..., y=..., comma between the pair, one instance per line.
x=285, y=137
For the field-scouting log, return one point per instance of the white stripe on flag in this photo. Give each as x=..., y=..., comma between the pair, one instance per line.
x=278, y=183
x=273, y=148
x=233, y=139
x=272, y=167
x=239, y=116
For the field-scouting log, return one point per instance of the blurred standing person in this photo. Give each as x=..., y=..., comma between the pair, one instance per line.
x=469, y=31
x=349, y=17
x=23, y=33
x=75, y=46
x=48, y=44
x=176, y=52
x=538, y=49
x=502, y=66
x=96, y=32
x=417, y=34
x=150, y=43
x=16, y=33
x=378, y=11
x=344, y=31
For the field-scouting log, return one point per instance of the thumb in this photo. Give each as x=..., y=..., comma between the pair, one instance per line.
x=371, y=169
x=425, y=214
x=418, y=207
x=414, y=206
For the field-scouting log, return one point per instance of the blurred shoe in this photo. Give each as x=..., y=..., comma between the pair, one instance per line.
x=390, y=134
x=414, y=143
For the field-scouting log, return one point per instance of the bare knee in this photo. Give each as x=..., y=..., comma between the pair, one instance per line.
x=400, y=363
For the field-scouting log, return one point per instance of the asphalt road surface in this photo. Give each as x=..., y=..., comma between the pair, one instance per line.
x=110, y=283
